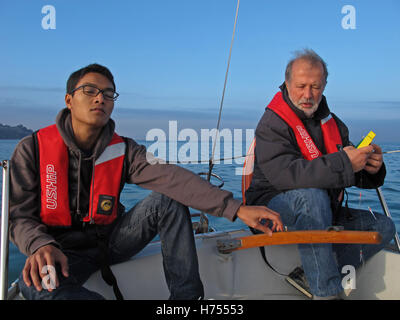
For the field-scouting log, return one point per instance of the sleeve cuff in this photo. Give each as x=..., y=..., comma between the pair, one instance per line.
x=231, y=209
x=41, y=242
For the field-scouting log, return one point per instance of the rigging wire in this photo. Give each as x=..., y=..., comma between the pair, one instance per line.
x=203, y=225
x=211, y=161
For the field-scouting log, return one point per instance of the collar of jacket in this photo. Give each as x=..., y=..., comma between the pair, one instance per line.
x=64, y=126
x=321, y=113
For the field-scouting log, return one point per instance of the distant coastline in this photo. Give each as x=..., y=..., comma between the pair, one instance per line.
x=13, y=132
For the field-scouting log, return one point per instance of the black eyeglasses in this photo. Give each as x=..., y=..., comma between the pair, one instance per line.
x=93, y=91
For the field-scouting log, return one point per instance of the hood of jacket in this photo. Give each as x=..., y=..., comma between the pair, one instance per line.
x=64, y=126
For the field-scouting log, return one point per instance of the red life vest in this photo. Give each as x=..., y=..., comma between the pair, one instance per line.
x=105, y=185
x=330, y=131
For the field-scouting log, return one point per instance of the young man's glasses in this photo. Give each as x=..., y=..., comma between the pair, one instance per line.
x=93, y=91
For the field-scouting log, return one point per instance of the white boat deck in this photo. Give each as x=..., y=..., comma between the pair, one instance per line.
x=243, y=274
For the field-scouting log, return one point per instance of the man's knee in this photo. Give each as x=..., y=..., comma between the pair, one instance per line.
x=308, y=199
x=386, y=228
x=311, y=207
x=164, y=204
x=313, y=197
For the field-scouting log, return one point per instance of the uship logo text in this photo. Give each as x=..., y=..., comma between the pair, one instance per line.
x=51, y=187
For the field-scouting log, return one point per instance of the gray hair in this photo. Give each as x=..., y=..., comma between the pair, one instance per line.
x=309, y=55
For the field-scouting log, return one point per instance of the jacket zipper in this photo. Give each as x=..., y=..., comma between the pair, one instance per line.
x=91, y=196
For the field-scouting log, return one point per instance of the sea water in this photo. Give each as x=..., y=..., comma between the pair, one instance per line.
x=227, y=170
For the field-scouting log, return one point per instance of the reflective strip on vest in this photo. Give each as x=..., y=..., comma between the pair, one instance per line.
x=331, y=134
x=111, y=152
x=54, y=166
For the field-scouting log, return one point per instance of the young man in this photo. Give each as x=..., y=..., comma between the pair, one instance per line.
x=65, y=211
x=303, y=162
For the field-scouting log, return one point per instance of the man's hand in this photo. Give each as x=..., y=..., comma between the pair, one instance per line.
x=252, y=216
x=375, y=160
x=34, y=266
x=358, y=157
x=369, y=158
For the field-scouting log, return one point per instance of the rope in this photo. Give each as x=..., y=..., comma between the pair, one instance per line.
x=237, y=157
x=206, y=161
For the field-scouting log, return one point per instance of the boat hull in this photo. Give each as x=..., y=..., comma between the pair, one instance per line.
x=243, y=274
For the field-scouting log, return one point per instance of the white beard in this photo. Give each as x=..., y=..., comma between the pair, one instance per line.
x=309, y=112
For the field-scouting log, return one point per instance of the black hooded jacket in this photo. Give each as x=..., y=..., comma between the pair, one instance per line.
x=280, y=166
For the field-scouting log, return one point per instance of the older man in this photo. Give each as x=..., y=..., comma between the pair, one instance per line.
x=303, y=162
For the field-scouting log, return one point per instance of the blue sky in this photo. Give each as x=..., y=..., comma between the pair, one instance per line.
x=169, y=59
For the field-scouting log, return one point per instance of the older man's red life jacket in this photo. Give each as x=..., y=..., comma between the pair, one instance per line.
x=309, y=150
x=330, y=131
x=105, y=185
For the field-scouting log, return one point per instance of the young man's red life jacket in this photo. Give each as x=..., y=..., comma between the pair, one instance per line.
x=330, y=131
x=105, y=185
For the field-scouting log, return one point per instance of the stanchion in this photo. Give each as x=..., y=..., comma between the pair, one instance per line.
x=387, y=213
x=4, y=231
